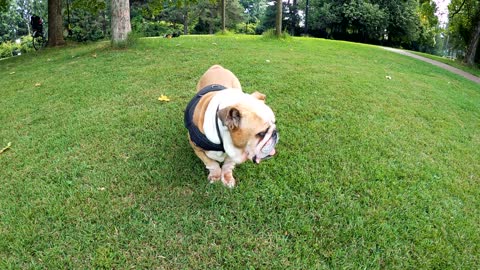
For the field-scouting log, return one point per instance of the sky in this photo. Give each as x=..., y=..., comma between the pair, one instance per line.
x=442, y=10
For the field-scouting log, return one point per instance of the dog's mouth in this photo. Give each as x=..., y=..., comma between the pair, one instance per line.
x=266, y=148
x=257, y=159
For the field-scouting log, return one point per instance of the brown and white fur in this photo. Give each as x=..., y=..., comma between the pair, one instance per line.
x=243, y=117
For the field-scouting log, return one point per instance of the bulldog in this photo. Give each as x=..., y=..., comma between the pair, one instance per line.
x=226, y=125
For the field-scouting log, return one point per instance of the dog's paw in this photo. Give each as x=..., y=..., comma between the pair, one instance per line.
x=228, y=180
x=215, y=175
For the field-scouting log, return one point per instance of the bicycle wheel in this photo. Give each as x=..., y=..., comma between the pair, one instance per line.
x=39, y=40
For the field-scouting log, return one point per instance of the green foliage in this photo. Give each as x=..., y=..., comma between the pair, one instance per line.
x=268, y=19
x=4, y=5
x=12, y=48
x=272, y=34
x=254, y=10
x=154, y=28
x=6, y=49
x=463, y=23
x=246, y=28
x=88, y=25
x=92, y=6
x=208, y=20
x=14, y=22
x=376, y=21
x=365, y=18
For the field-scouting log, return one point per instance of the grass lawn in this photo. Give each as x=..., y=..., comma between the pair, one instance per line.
x=372, y=173
x=454, y=63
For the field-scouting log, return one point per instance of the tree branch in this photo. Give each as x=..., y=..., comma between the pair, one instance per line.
x=457, y=11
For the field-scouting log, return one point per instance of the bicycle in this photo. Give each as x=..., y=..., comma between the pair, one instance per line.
x=39, y=36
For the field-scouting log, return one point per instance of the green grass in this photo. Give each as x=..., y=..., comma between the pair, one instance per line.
x=371, y=173
x=475, y=70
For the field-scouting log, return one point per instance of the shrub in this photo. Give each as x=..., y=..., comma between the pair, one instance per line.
x=271, y=34
x=6, y=49
x=244, y=28
x=26, y=44
x=155, y=29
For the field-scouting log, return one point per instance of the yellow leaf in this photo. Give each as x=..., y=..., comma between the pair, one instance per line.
x=6, y=148
x=163, y=98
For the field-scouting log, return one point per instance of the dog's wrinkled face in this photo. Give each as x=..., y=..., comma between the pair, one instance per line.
x=251, y=124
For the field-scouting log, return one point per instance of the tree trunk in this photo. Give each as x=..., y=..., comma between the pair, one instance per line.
x=278, y=19
x=120, y=20
x=294, y=12
x=306, y=17
x=55, y=23
x=104, y=24
x=223, y=15
x=472, y=46
x=185, y=21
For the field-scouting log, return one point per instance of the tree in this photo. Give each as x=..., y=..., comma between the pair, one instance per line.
x=278, y=19
x=465, y=24
x=429, y=27
x=120, y=20
x=365, y=19
x=223, y=8
x=254, y=9
x=375, y=21
x=4, y=4
x=15, y=20
x=55, y=23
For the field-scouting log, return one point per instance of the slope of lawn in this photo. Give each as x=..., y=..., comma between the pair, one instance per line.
x=474, y=70
x=371, y=172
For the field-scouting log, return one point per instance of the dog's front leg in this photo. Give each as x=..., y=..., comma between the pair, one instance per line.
x=227, y=172
x=215, y=172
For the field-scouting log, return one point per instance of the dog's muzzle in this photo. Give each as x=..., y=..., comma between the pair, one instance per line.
x=266, y=148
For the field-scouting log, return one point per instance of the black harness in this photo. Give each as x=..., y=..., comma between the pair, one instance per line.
x=197, y=137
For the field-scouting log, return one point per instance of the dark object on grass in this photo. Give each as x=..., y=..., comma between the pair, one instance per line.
x=172, y=35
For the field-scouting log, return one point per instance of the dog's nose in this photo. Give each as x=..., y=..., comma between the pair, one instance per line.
x=275, y=135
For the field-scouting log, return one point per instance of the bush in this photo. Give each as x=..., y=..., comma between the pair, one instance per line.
x=9, y=48
x=244, y=28
x=271, y=34
x=6, y=49
x=27, y=44
x=155, y=29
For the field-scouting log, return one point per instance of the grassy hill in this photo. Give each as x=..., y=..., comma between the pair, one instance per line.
x=372, y=172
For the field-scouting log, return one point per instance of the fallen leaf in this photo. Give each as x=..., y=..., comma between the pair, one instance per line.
x=6, y=147
x=163, y=98
x=38, y=84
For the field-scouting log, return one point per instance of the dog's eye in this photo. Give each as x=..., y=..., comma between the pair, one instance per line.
x=263, y=133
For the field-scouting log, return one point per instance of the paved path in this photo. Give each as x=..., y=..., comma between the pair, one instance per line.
x=438, y=64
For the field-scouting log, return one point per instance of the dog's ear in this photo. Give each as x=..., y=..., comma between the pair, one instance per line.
x=230, y=117
x=259, y=96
